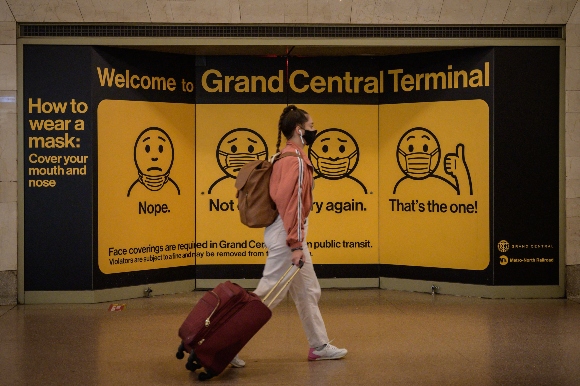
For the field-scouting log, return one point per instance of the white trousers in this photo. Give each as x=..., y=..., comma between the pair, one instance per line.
x=304, y=289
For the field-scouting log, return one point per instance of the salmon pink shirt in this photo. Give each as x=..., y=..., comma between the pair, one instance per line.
x=291, y=186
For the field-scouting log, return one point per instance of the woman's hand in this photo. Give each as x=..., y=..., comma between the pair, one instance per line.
x=298, y=257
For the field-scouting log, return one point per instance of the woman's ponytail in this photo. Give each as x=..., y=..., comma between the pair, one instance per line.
x=290, y=117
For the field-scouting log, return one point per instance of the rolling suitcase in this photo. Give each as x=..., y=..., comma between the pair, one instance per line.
x=221, y=324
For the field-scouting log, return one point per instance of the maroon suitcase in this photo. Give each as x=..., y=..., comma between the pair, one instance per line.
x=220, y=325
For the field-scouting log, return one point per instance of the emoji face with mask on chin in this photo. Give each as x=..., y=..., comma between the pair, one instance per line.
x=153, y=155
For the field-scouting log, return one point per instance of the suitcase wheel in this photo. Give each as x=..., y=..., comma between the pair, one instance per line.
x=205, y=376
x=192, y=362
x=192, y=366
x=179, y=354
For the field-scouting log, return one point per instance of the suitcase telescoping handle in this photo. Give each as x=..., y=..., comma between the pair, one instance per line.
x=285, y=284
x=208, y=320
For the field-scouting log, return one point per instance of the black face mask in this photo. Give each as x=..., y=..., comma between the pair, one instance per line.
x=309, y=136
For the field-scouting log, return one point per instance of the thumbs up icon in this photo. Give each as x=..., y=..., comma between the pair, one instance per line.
x=456, y=166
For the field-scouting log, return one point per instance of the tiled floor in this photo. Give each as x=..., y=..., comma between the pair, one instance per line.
x=393, y=338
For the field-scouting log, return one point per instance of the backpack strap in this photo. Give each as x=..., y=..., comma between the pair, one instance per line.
x=248, y=168
x=279, y=156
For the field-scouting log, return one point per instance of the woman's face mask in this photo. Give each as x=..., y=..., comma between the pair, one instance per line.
x=308, y=137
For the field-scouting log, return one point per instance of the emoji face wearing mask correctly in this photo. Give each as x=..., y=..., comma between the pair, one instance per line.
x=334, y=154
x=153, y=156
x=418, y=153
x=237, y=148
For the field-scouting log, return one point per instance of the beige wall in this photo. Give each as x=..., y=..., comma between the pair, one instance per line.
x=8, y=149
x=573, y=139
x=291, y=11
x=499, y=12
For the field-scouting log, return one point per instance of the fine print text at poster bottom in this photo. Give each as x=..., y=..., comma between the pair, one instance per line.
x=253, y=248
x=150, y=253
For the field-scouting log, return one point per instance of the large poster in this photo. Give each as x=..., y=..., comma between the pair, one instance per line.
x=345, y=160
x=435, y=184
x=238, y=115
x=239, y=101
x=436, y=120
x=145, y=120
x=341, y=94
x=145, y=185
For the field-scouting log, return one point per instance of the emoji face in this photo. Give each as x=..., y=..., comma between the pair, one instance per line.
x=237, y=148
x=418, y=153
x=154, y=152
x=334, y=154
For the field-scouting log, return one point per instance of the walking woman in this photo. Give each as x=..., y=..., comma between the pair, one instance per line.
x=291, y=186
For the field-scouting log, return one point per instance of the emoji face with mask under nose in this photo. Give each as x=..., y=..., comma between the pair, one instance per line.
x=237, y=148
x=334, y=154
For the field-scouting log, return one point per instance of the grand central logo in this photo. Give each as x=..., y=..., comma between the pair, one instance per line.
x=503, y=246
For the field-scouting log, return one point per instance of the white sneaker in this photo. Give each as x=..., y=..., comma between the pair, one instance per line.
x=237, y=362
x=327, y=352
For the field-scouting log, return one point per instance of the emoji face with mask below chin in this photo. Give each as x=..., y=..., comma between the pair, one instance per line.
x=237, y=148
x=334, y=154
x=153, y=155
x=418, y=153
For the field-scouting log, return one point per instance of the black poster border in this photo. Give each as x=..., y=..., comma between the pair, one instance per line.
x=57, y=221
x=254, y=271
x=527, y=100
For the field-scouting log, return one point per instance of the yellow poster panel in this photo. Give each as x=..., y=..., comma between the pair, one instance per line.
x=343, y=223
x=434, y=184
x=228, y=136
x=146, y=185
